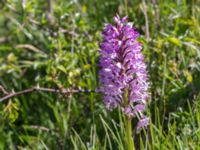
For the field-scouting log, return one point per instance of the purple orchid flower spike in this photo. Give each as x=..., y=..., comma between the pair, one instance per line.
x=123, y=70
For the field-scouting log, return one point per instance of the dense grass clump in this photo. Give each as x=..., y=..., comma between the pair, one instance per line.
x=54, y=44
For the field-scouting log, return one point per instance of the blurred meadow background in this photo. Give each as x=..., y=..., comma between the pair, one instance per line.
x=55, y=44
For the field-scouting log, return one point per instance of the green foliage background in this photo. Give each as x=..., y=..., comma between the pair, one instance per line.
x=54, y=44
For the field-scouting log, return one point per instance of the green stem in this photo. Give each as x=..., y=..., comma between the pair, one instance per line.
x=128, y=125
x=129, y=134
